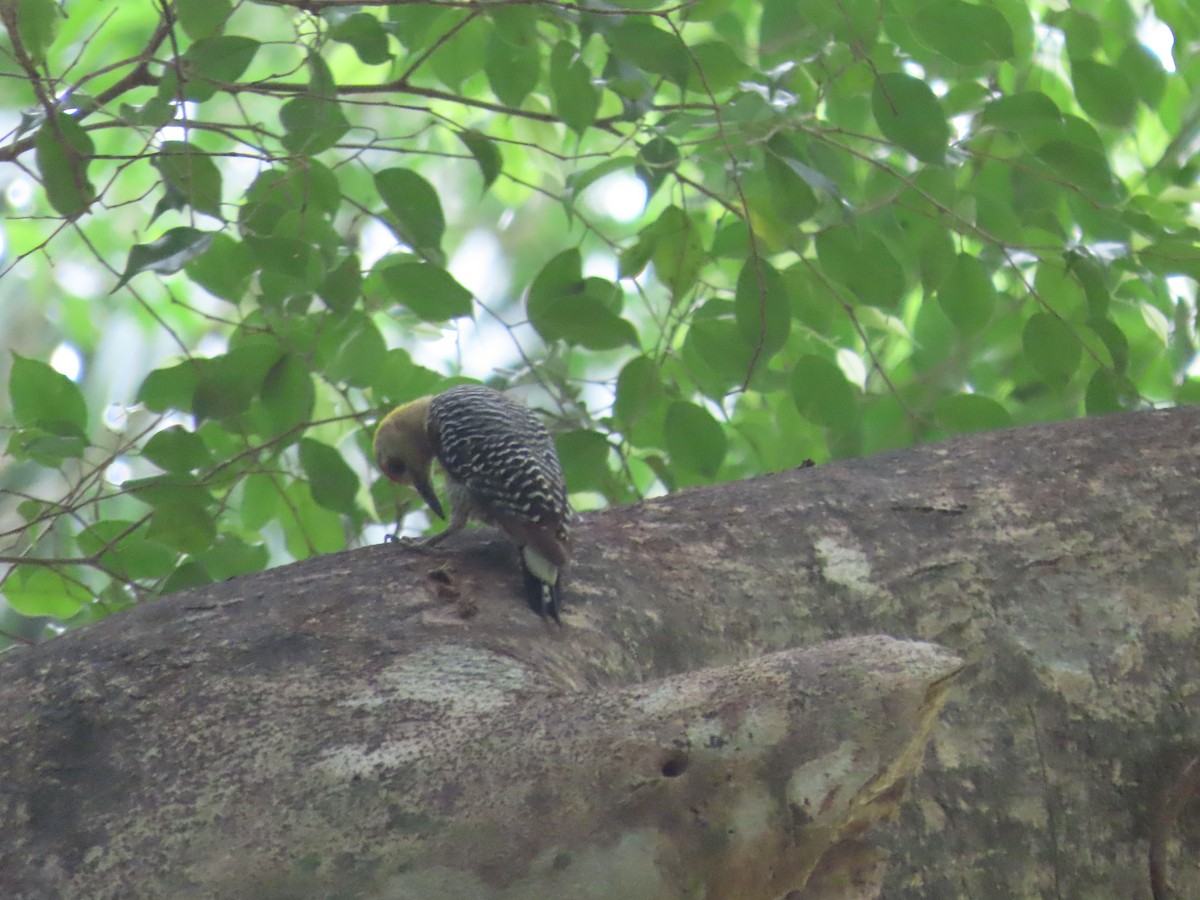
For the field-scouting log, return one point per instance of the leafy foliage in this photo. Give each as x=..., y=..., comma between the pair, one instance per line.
x=259, y=224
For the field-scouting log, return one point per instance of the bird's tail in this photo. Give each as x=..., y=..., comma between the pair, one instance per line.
x=543, y=586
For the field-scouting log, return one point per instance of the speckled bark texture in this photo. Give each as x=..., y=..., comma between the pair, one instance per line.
x=450, y=773
x=269, y=725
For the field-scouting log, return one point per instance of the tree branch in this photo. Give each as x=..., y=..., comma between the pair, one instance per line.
x=286, y=707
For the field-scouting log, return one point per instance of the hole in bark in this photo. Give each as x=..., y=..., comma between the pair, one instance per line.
x=674, y=765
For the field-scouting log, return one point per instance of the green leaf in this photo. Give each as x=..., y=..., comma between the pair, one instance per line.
x=964, y=32
x=634, y=258
x=63, y=151
x=841, y=252
x=853, y=22
x=563, y=274
x=352, y=350
x=224, y=269
x=171, y=200
x=678, y=252
x=1189, y=392
x=1114, y=340
x=173, y=487
x=1052, y=347
x=967, y=295
x=1093, y=277
x=457, y=59
x=308, y=527
x=965, y=413
x=732, y=241
x=486, y=154
x=192, y=174
x=965, y=97
x=333, y=483
x=167, y=255
x=651, y=49
x=586, y=316
x=762, y=308
x=297, y=266
x=1145, y=70
x=696, y=441
x=310, y=183
x=562, y=305
x=123, y=547
x=716, y=354
x=212, y=63
x=176, y=449
x=417, y=217
x=365, y=34
x=41, y=591
x=429, y=291
x=47, y=446
x=1156, y=321
x=412, y=23
x=639, y=390
x=45, y=398
x=584, y=456
x=399, y=379
x=580, y=180
x=723, y=67
x=342, y=286
x=288, y=394
x=203, y=18
x=512, y=62
x=170, y=388
x=261, y=497
x=190, y=574
x=1172, y=256
x=228, y=383
x=908, y=113
x=791, y=195
x=154, y=113
x=312, y=124
x=657, y=158
x=821, y=392
x=1105, y=92
x=1082, y=30
x=787, y=154
x=1081, y=166
x=576, y=99
x=1104, y=393
x=1024, y=112
x=1060, y=292
x=230, y=557
x=936, y=257
x=37, y=23
x=187, y=527
x=786, y=33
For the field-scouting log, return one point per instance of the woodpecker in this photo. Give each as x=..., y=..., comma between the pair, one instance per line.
x=501, y=468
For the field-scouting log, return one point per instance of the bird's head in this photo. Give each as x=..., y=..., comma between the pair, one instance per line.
x=404, y=451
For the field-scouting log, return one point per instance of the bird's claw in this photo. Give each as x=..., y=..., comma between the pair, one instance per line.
x=410, y=543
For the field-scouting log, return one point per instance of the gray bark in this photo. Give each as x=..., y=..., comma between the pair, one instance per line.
x=1060, y=562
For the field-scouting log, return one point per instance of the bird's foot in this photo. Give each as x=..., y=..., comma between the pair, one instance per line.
x=409, y=543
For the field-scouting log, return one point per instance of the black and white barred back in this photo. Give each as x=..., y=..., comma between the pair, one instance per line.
x=503, y=454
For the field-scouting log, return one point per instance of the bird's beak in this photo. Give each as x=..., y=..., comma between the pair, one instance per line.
x=425, y=489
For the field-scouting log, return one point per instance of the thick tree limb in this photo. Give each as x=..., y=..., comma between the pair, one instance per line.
x=451, y=773
x=1062, y=562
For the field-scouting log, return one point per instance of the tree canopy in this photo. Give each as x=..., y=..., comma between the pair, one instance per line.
x=710, y=239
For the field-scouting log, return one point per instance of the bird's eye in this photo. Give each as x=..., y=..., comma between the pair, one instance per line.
x=394, y=468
